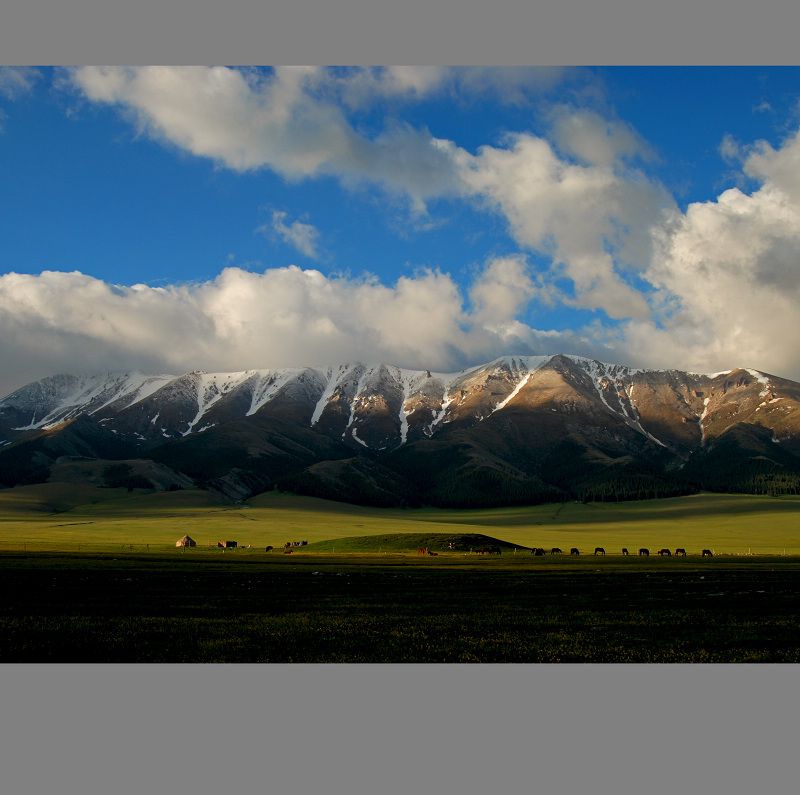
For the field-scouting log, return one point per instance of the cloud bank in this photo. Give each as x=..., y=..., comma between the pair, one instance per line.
x=70, y=322
x=705, y=289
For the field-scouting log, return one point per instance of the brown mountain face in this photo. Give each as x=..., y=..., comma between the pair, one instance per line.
x=516, y=430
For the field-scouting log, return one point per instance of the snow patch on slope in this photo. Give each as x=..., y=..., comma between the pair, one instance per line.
x=212, y=387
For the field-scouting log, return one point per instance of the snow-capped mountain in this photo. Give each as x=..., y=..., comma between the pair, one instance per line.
x=516, y=411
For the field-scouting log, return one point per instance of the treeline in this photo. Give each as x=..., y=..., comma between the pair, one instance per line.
x=580, y=479
x=632, y=487
x=753, y=477
x=488, y=487
x=359, y=481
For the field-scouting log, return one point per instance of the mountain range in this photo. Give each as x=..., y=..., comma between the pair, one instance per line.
x=517, y=430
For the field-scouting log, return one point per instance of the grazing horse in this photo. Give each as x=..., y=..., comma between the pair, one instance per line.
x=624, y=550
x=664, y=552
x=287, y=551
x=574, y=551
x=556, y=551
x=421, y=551
x=268, y=549
x=645, y=552
x=599, y=551
x=680, y=552
x=707, y=553
x=538, y=551
x=494, y=551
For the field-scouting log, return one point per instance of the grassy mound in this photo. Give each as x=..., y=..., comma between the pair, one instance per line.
x=411, y=542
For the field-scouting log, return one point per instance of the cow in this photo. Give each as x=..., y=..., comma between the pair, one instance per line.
x=664, y=551
x=680, y=551
x=574, y=551
x=645, y=552
x=624, y=550
x=268, y=549
x=556, y=551
x=599, y=551
x=707, y=553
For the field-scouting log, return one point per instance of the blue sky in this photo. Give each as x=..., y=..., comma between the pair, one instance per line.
x=178, y=218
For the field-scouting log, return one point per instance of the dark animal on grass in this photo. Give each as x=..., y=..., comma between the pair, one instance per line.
x=624, y=550
x=645, y=552
x=268, y=549
x=680, y=552
x=599, y=551
x=664, y=552
x=494, y=551
x=421, y=551
x=537, y=551
x=287, y=551
x=556, y=551
x=707, y=553
x=431, y=552
x=574, y=551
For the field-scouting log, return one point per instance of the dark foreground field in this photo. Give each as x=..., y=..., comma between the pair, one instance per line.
x=396, y=608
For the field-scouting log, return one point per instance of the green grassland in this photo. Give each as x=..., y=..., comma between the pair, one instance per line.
x=62, y=516
x=92, y=574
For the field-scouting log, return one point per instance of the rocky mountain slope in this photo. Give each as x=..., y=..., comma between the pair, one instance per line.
x=515, y=430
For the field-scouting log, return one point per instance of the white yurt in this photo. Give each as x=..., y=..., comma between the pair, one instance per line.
x=186, y=542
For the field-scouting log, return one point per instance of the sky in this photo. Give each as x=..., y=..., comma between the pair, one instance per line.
x=168, y=219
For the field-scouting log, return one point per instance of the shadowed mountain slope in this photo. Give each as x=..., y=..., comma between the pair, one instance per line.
x=516, y=430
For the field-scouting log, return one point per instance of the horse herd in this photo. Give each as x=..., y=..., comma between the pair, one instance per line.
x=679, y=552
x=644, y=552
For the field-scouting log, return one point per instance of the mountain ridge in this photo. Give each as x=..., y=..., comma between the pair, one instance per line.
x=509, y=422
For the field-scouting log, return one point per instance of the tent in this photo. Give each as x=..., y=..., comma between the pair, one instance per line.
x=186, y=542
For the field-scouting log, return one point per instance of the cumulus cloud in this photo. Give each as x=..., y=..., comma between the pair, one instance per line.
x=594, y=139
x=586, y=208
x=247, y=120
x=501, y=291
x=70, y=322
x=704, y=289
x=17, y=80
x=727, y=274
x=591, y=220
x=302, y=236
x=363, y=86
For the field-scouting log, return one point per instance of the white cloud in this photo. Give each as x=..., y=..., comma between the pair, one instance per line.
x=302, y=236
x=17, y=80
x=728, y=275
x=283, y=121
x=595, y=140
x=363, y=86
x=501, y=291
x=707, y=289
x=593, y=221
x=70, y=322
